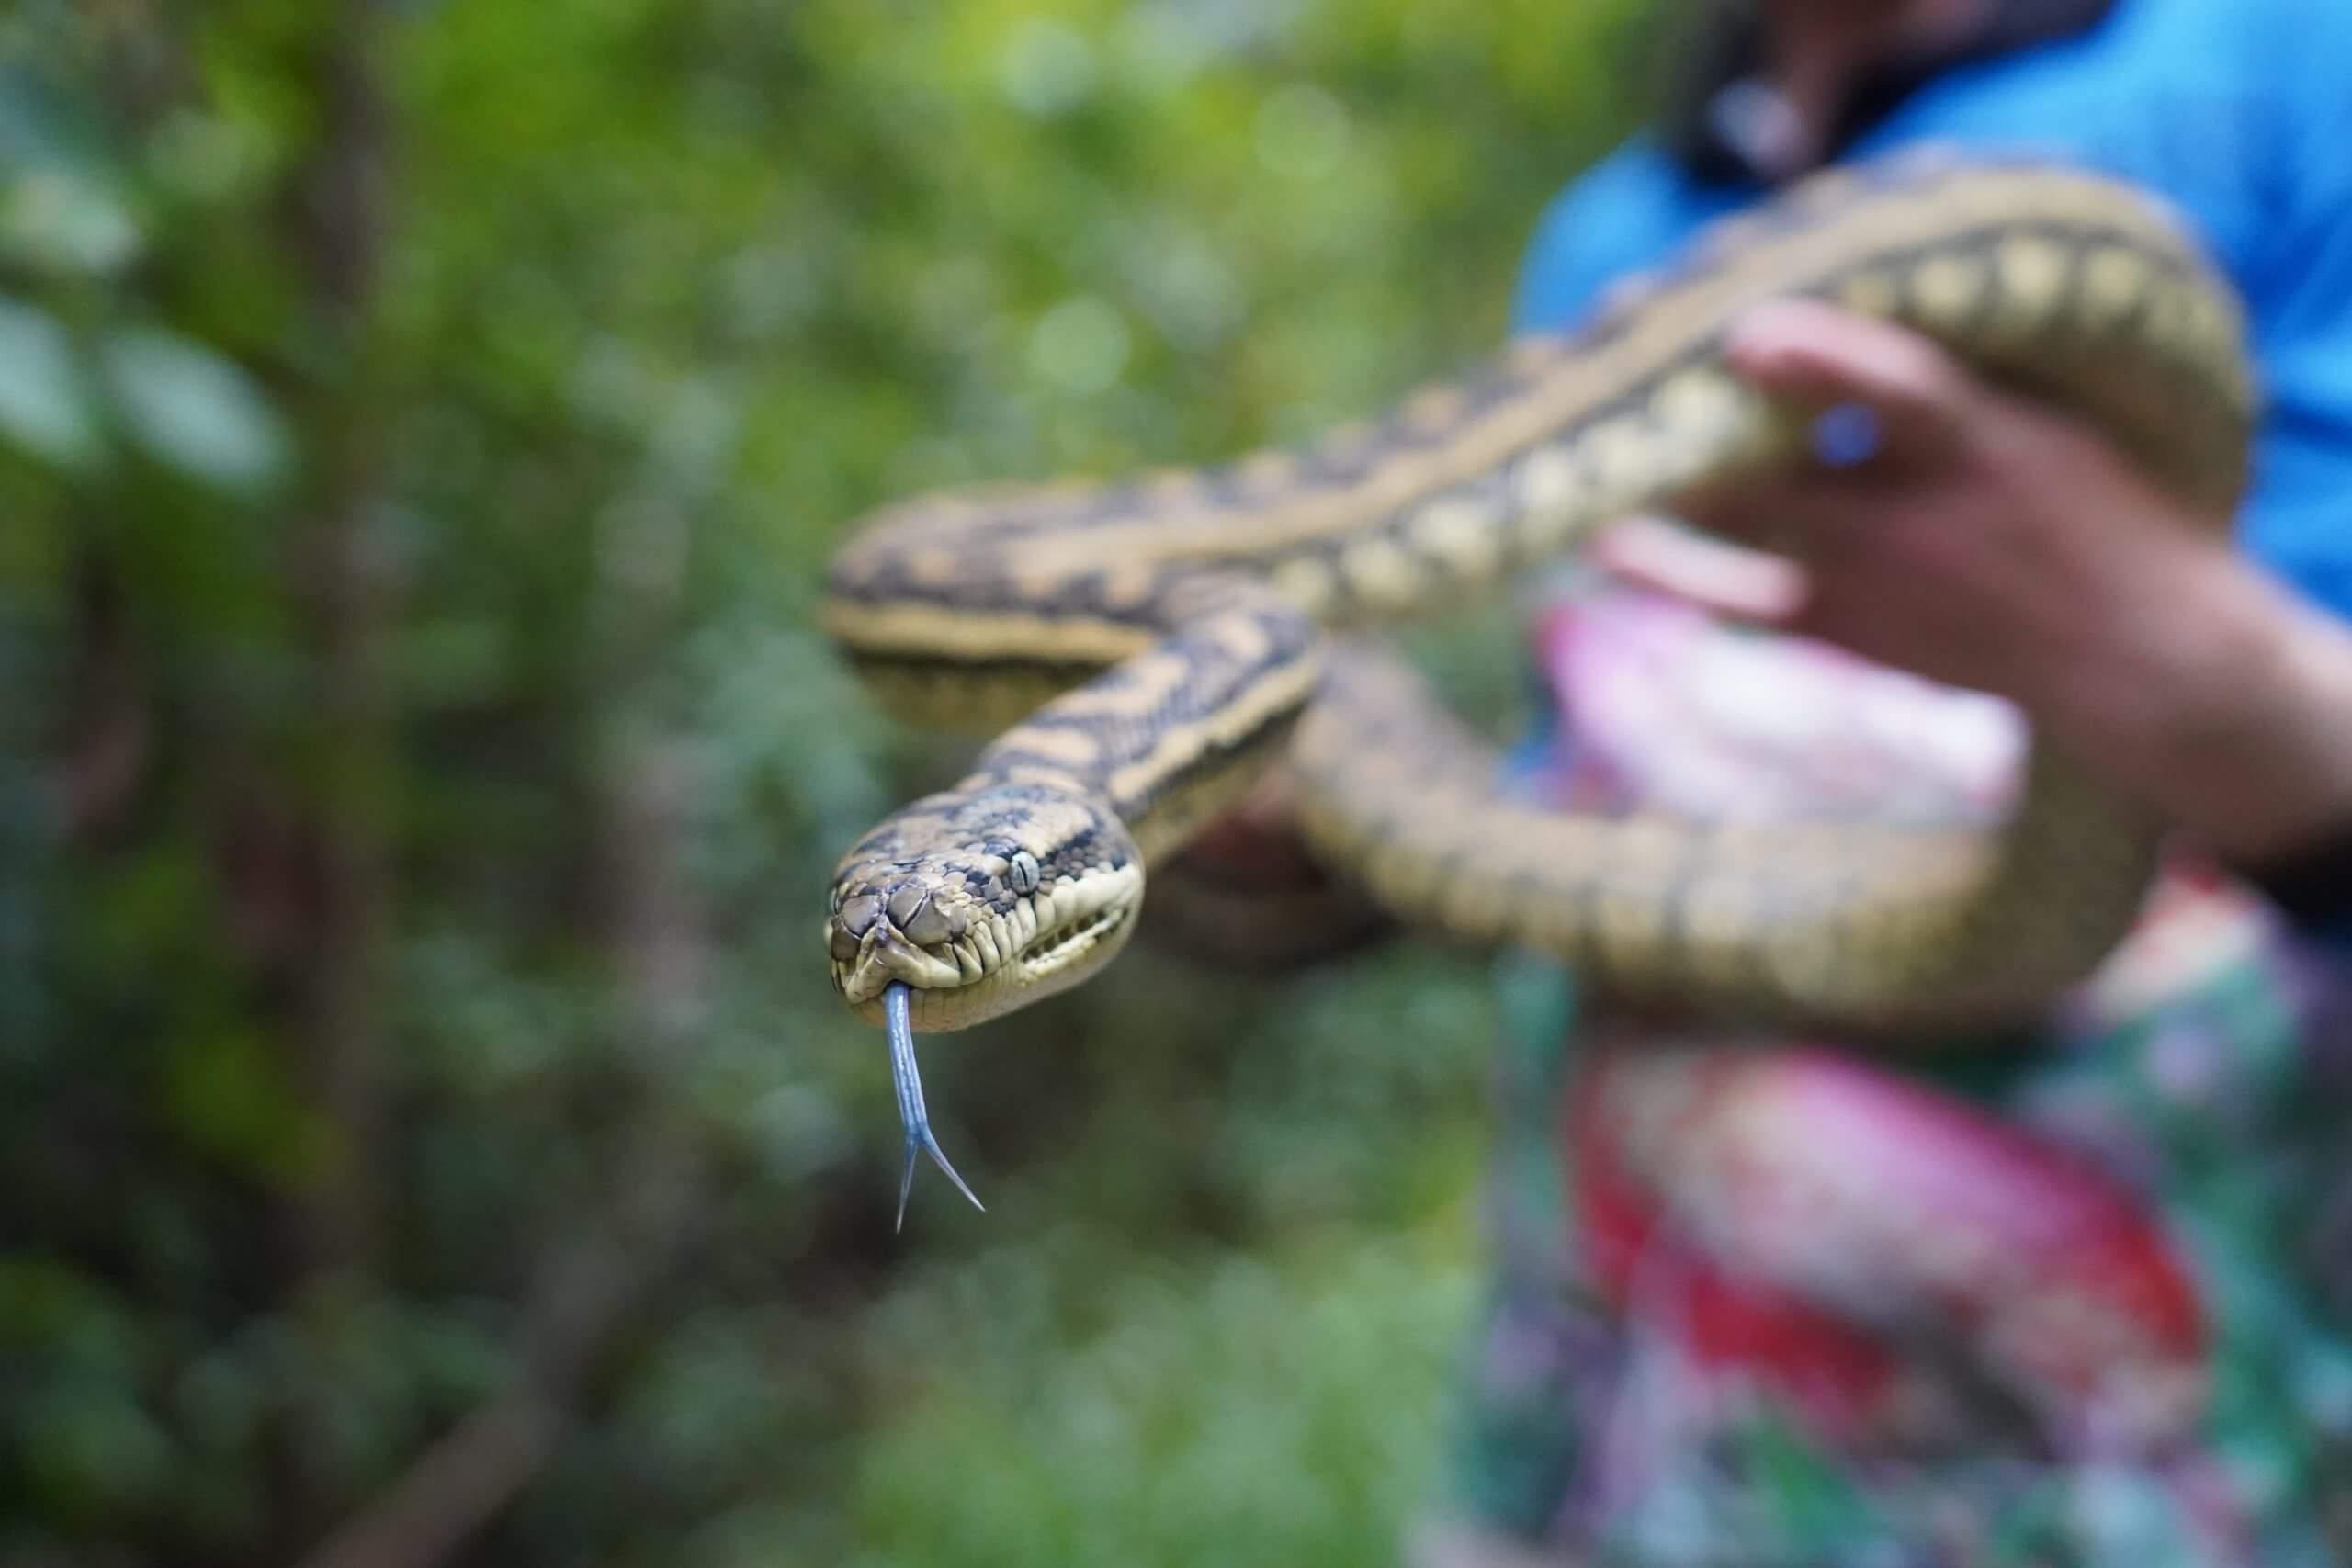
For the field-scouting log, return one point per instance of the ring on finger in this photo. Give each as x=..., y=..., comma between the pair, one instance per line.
x=1845, y=436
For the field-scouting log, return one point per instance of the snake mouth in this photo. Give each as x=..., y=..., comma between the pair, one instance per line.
x=1044, y=943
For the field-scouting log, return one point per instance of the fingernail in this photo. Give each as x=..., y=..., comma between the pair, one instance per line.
x=1783, y=319
x=1846, y=436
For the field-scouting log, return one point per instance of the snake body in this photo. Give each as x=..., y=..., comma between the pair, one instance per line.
x=1158, y=644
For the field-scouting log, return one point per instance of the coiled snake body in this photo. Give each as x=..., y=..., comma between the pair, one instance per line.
x=1156, y=645
x=1180, y=619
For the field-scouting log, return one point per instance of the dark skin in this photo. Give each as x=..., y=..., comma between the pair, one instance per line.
x=1812, y=49
x=1999, y=543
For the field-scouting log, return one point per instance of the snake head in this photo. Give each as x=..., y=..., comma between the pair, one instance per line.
x=982, y=899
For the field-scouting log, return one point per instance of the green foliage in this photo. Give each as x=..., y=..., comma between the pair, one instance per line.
x=421, y=431
x=1230, y=1414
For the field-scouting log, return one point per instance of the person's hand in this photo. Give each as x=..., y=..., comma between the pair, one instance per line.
x=1995, y=543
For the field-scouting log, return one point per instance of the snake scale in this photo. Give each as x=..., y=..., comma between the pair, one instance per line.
x=1156, y=645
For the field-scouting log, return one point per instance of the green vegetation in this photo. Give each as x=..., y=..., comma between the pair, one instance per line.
x=425, y=1126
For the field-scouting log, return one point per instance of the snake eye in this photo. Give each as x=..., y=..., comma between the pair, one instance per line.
x=1021, y=875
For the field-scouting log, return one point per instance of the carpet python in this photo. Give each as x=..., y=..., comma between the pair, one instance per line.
x=1155, y=645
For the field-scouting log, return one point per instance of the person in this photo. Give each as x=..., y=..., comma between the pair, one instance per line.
x=2083, y=1296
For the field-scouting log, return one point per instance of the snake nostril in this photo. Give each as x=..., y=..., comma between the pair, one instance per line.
x=844, y=947
x=858, y=914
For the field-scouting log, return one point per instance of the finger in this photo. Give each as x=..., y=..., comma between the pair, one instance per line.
x=1871, y=629
x=1730, y=581
x=1758, y=512
x=1821, y=358
x=1798, y=514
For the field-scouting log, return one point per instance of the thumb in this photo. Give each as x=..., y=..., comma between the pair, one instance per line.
x=1726, y=579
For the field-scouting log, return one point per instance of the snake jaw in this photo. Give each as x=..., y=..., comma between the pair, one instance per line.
x=1045, y=942
x=1017, y=892
x=884, y=954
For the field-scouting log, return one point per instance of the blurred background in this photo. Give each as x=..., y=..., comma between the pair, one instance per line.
x=426, y=1131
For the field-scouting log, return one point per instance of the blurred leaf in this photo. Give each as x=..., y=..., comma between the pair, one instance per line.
x=41, y=126
x=194, y=410
x=62, y=222
x=61, y=207
x=45, y=401
x=92, y=1451
x=230, y=1099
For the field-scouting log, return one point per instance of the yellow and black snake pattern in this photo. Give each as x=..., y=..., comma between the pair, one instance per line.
x=1156, y=645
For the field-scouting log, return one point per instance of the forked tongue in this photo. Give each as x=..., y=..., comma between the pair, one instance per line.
x=898, y=1024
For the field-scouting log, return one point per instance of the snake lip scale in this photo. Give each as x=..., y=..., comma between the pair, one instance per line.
x=886, y=957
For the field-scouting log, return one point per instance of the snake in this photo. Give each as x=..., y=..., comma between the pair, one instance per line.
x=1145, y=650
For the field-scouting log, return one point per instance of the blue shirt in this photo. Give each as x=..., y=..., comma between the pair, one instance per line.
x=2238, y=111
